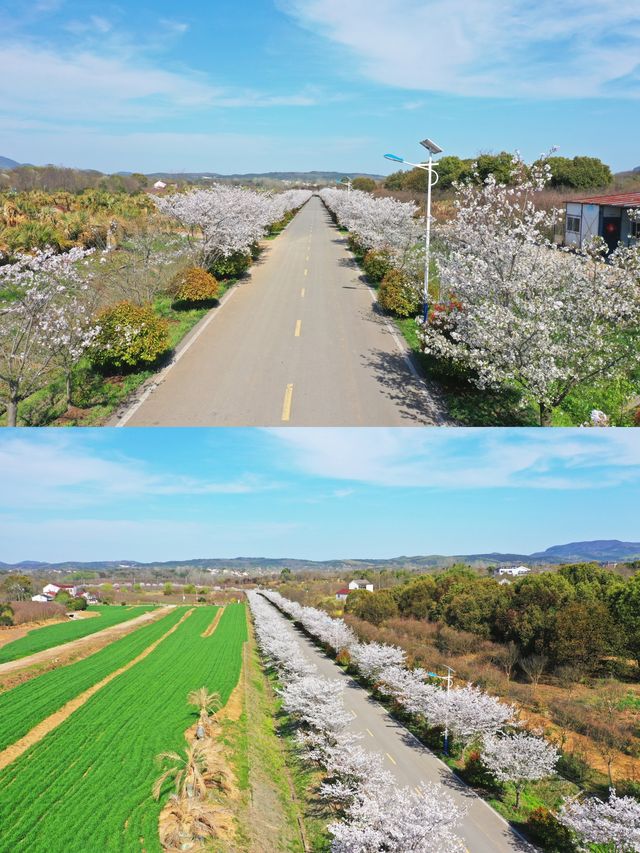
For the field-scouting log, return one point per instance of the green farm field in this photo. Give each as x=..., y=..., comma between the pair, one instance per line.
x=64, y=632
x=27, y=704
x=87, y=785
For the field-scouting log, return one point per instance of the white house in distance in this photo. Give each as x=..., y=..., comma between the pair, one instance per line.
x=42, y=597
x=605, y=216
x=342, y=594
x=159, y=185
x=53, y=589
x=513, y=571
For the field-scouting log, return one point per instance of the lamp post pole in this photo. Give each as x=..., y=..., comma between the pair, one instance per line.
x=448, y=678
x=432, y=148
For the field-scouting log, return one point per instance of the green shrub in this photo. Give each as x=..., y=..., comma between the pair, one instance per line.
x=130, y=335
x=549, y=832
x=194, y=285
x=376, y=264
x=397, y=295
x=6, y=614
x=232, y=267
x=475, y=773
x=574, y=767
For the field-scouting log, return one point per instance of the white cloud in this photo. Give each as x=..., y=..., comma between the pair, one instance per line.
x=54, y=471
x=98, y=88
x=467, y=459
x=487, y=48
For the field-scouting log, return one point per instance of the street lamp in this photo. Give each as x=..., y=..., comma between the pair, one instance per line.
x=433, y=149
x=348, y=182
x=448, y=679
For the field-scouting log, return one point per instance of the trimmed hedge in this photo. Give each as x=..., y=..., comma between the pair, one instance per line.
x=195, y=285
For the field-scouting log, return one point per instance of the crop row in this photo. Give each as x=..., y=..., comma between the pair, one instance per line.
x=87, y=785
x=28, y=704
x=63, y=632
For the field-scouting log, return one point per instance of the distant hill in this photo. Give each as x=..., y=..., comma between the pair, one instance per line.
x=601, y=550
x=7, y=163
x=303, y=177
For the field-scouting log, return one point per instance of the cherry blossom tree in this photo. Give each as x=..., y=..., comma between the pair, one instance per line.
x=223, y=220
x=525, y=311
x=316, y=702
x=399, y=819
x=519, y=758
x=41, y=322
x=374, y=659
x=615, y=822
x=377, y=223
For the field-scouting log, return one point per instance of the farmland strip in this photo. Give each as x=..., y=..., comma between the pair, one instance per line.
x=89, y=783
x=47, y=725
x=31, y=702
x=63, y=632
x=214, y=624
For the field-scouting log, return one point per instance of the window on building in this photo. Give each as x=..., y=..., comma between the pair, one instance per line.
x=635, y=230
x=573, y=224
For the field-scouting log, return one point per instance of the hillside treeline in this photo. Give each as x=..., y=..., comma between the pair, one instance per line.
x=53, y=178
x=579, y=173
x=574, y=618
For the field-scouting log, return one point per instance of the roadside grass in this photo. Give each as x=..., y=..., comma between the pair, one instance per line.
x=267, y=815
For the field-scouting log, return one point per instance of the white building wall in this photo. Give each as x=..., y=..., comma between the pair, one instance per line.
x=590, y=222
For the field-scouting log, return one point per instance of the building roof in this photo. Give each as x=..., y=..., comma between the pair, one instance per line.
x=344, y=591
x=614, y=200
x=360, y=580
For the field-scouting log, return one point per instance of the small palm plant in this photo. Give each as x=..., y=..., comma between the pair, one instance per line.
x=187, y=771
x=206, y=703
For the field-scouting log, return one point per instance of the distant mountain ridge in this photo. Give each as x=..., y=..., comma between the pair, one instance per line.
x=601, y=550
x=8, y=163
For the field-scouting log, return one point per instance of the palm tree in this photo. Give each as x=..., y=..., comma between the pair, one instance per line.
x=187, y=771
x=206, y=703
x=189, y=821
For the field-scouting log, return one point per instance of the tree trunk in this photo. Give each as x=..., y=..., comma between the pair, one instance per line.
x=68, y=390
x=517, y=797
x=546, y=413
x=12, y=412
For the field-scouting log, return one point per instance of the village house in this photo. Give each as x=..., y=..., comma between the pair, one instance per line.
x=41, y=597
x=53, y=589
x=605, y=216
x=342, y=594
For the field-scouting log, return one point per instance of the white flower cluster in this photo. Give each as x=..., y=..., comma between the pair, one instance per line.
x=44, y=321
x=377, y=815
x=377, y=223
x=223, y=220
x=615, y=822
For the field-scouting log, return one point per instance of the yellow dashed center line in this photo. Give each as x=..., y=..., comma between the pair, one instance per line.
x=298, y=329
x=286, y=406
x=306, y=272
x=369, y=732
x=391, y=758
x=302, y=293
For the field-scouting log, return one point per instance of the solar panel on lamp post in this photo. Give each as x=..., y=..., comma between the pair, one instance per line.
x=348, y=182
x=433, y=149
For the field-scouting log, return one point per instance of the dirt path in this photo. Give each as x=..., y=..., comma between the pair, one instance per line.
x=209, y=631
x=43, y=728
x=107, y=634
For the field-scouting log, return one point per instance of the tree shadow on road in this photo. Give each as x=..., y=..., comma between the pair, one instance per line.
x=415, y=401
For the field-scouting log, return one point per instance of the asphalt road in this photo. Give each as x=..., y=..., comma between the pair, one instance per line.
x=300, y=342
x=482, y=829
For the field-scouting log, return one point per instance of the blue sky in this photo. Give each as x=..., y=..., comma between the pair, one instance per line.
x=314, y=84
x=156, y=494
